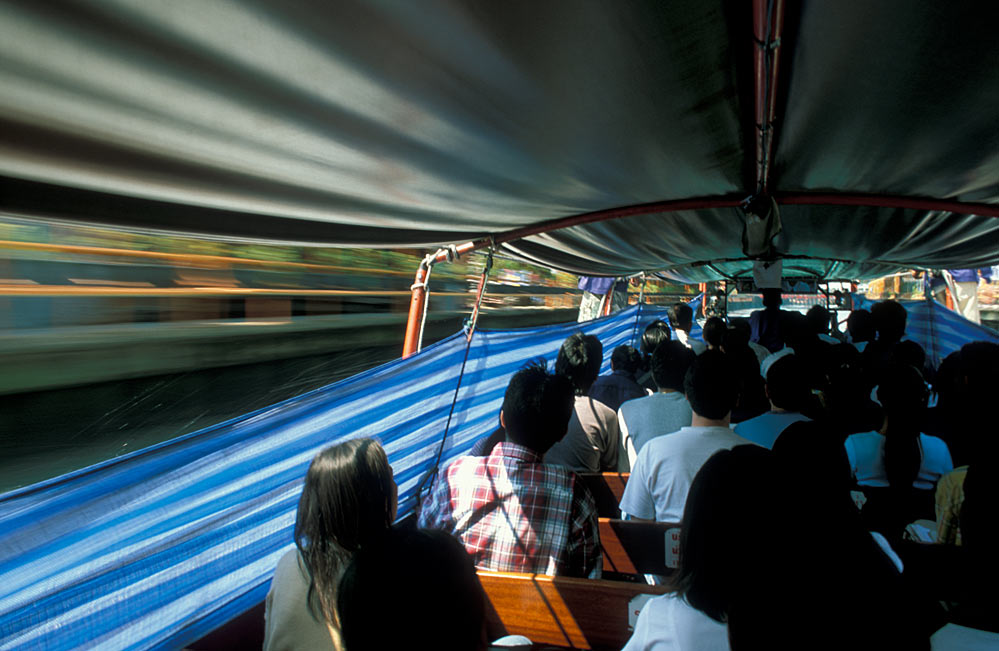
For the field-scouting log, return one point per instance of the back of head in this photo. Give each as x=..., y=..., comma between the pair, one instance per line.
x=711, y=385
x=348, y=501
x=670, y=362
x=814, y=459
x=418, y=586
x=889, y=321
x=537, y=407
x=787, y=384
x=681, y=316
x=733, y=497
x=713, y=332
x=796, y=332
x=627, y=359
x=655, y=333
x=860, y=324
x=771, y=297
x=903, y=395
x=579, y=359
x=909, y=353
x=736, y=336
x=818, y=319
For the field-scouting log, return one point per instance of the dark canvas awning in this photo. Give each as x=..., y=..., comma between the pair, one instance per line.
x=417, y=124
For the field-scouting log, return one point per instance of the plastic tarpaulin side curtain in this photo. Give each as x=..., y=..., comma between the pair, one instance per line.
x=157, y=548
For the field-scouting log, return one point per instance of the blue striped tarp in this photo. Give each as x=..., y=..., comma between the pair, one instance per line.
x=157, y=548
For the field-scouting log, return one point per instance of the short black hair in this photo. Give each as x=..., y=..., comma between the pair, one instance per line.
x=579, y=359
x=889, y=320
x=655, y=333
x=787, y=383
x=714, y=331
x=712, y=385
x=860, y=325
x=681, y=315
x=537, y=407
x=771, y=297
x=426, y=580
x=627, y=359
x=670, y=362
x=909, y=352
x=818, y=319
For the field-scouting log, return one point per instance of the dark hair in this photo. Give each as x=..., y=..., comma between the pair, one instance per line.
x=910, y=353
x=903, y=395
x=818, y=319
x=670, y=362
x=816, y=460
x=860, y=323
x=889, y=320
x=787, y=385
x=348, y=501
x=655, y=333
x=772, y=297
x=736, y=337
x=681, y=316
x=537, y=407
x=711, y=385
x=713, y=332
x=416, y=585
x=579, y=359
x=627, y=359
x=729, y=498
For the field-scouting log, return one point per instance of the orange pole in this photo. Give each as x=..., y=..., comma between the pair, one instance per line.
x=417, y=306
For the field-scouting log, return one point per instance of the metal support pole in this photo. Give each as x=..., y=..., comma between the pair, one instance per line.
x=417, y=310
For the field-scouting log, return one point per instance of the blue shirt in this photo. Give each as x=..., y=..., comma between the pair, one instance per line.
x=970, y=275
x=765, y=428
x=616, y=388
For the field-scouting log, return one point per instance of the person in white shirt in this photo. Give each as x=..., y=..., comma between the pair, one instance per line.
x=682, y=319
x=663, y=412
x=665, y=466
x=788, y=392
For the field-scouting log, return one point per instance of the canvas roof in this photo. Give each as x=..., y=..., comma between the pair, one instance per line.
x=420, y=123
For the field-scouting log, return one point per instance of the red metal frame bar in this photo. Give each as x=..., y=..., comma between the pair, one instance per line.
x=765, y=75
x=887, y=201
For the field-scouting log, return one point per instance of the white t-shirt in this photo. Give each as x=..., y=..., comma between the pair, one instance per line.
x=668, y=623
x=697, y=346
x=642, y=419
x=866, y=452
x=665, y=468
x=765, y=428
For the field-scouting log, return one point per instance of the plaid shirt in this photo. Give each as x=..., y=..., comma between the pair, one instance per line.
x=514, y=513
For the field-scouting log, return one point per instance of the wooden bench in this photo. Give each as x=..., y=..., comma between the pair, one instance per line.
x=638, y=547
x=607, y=489
x=562, y=611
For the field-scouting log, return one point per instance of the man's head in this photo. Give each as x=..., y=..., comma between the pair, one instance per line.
x=714, y=332
x=711, y=385
x=889, y=321
x=625, y=358
x=655, y=333
x=670, y=362
x=682, y=316
x=787, y=384
x=771, y=297
x=537, y=407
x=818, y=319
x=579, y=359
x=860, y=324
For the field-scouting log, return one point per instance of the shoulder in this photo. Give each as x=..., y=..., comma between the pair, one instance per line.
x=934, y=442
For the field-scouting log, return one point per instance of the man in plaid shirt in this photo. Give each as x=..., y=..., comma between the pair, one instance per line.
x=512, y=512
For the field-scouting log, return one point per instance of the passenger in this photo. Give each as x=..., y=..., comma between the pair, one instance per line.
x=899, y=456
x=742, y=327
x=752, y=394
x=593, y=439
x=848, y=405
x=620, y=385
x=818, y=320
x=655, y=333
x=665, y=466
x=682, y=318
x=418, y=589
x=765, y=324
x=889, y=322
x=860, y=325
x=788, y=394
x=347, y=504
x=663, y=412
x=511, y=511
x=714, y=332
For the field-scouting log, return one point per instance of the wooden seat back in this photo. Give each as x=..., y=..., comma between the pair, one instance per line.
x=639, y=547
x=562, y=611
x=607, y=489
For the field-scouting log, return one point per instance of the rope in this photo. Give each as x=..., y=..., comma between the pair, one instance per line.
x=478, y=298
x=429, y=261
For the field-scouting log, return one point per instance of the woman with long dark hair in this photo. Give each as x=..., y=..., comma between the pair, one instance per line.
x=348, y=502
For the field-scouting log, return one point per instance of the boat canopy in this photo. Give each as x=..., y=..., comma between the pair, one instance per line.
x=633, y=129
